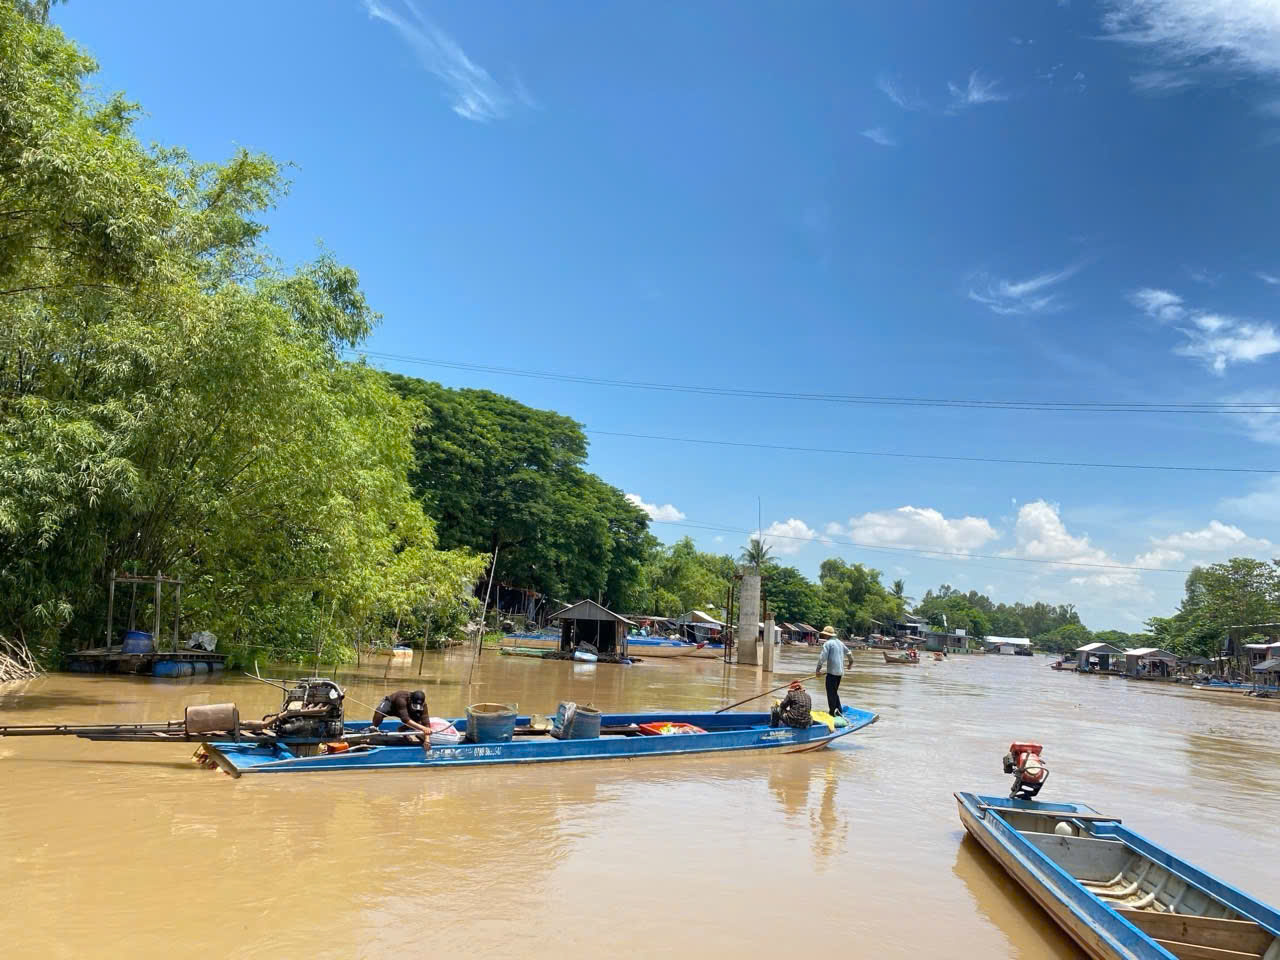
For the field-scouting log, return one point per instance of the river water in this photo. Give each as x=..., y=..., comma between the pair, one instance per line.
x=128, y=849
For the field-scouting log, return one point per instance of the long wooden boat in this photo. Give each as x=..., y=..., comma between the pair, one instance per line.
x=657, y=647
x=621, y=738
x=1116, y=893
x=898, y=658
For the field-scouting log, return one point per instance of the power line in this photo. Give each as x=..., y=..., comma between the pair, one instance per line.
x=926, y=456
x=1056, y=406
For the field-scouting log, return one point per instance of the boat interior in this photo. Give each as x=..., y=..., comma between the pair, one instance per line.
x=1186, y=920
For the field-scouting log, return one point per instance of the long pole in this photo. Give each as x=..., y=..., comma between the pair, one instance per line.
x=765, y=694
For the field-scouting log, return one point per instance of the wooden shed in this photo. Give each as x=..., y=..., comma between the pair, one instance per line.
x=588, y=622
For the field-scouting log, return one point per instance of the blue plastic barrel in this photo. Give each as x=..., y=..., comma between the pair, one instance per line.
x=199, y=666
x=137, y=641
x=490, y=723
x=171, y=668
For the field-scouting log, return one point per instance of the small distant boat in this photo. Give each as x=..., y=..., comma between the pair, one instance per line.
x=622, y=736
x=708, y=651
x=647, y=647
x=1116, y=893
x=899, y=657
x=1062, y=665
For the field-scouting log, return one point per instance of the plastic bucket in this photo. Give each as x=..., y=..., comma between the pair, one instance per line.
x=490, y=723
x=585, y=724
x=137, y=641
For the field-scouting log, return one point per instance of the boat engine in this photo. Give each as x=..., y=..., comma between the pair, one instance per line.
x=1028, y=768
x=312, y=710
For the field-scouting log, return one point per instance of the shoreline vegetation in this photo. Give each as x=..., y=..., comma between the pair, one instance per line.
x=173, y=398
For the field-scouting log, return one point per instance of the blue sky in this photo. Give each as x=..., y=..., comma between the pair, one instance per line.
x=1025, y=201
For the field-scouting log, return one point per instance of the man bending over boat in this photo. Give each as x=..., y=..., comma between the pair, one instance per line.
x=832, y=659
x=410, y=708
x=795, y=710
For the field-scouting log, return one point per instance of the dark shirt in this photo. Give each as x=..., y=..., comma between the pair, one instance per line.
x=397, y=705
x=796, y=709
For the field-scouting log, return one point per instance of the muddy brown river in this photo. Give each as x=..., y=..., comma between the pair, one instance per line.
x=121, y=849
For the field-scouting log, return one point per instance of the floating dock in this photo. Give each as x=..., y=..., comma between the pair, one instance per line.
x=155, y=663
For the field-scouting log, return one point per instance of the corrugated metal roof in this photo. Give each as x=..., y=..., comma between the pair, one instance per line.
x=1155, y=652
x=589, y=610
x=1017, y=641
x=1099, y=647
x=1268, y=666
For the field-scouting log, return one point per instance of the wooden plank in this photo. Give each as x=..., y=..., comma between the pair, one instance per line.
x=1243, y=936
x=1058, y=814
x=1191, y=951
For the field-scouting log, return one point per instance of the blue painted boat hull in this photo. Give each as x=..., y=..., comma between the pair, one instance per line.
x=726, y=733
x=1095, y=925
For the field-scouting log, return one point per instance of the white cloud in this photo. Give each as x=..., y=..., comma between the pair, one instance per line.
x=1270, y=279
x=1159, y=558
x=1040, y=534
x=474, y=95
x=1159, y=82
x=919, y=528
x=1216, y=538
x=1010, y=298
x=1216, y=339
x=893, y=90
x=880, y=136
x=789, y=536
x=976, y=92
x=666, y=513
x=1162, y=304
x=1243, y=34
x=1232, y=341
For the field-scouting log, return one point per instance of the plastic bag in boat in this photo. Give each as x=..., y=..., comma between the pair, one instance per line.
x=443, y=732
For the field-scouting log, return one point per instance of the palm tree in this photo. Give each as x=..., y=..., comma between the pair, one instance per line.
x=756, y=554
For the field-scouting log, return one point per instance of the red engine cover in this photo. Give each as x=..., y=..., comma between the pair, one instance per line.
x=1019, y=747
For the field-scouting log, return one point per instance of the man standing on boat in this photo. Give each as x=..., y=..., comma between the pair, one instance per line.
x=832, y=658
x=410, y=708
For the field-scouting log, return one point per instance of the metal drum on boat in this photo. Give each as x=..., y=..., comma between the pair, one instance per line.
x=490, y=723
x=576, y=722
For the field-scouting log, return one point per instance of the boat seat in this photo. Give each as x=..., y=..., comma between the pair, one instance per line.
x=1203, y=938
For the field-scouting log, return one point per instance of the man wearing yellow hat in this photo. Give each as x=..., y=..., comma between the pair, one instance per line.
x=832, y=659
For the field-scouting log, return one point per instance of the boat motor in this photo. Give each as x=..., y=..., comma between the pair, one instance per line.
x=312, y=710
x=1029, y=770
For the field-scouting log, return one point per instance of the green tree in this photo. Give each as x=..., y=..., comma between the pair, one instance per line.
x=793, y=597
x=755, y=554
x=170, y=399
x=502, y=477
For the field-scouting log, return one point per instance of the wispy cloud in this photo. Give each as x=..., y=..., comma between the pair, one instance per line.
x=894, y=90
x=975, y=93
x=1239, y=34
x=1216, y=339
x=880, y=136
x=1164, y=305
x=1017, y=297
x=1270, y=279
x=473, y=93
x=1159, y=82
